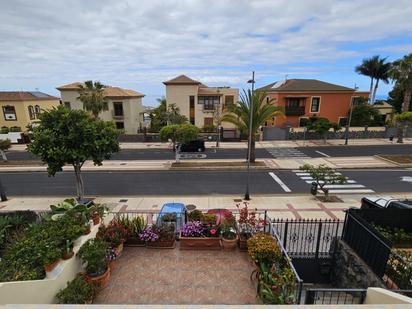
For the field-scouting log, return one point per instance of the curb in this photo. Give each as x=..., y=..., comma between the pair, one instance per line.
x=393, y=162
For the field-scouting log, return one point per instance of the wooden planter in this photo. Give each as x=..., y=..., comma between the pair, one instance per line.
x=101, y=281
x=242, y=244
x=199, y=243
x=229, y=244
x=134, y=242
x=50, y=267
x=162, y=244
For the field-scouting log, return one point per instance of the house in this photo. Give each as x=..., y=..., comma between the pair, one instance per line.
x=305, y=98
x=202, y=105
x=21, y=108
x=125, y=106
x=385, y=110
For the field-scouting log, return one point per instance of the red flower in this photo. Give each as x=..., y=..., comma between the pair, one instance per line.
x=213, y=231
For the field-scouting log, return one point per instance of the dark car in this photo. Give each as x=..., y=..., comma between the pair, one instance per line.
x=385, y=202
x=192, y=146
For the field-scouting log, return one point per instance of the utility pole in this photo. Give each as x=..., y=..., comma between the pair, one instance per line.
x=349, y=120
x=217, y=118
x=251, y=81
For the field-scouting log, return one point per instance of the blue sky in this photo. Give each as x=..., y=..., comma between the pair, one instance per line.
x=139, y=44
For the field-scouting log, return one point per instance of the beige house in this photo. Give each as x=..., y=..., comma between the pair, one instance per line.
x=125, y=106
x=386, y=111
x=201, y=104
x=20, y=108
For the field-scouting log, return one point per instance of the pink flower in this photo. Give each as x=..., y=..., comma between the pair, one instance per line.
x=213, y=231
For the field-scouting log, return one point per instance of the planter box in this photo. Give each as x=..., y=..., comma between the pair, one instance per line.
x=242, y=244
x=199, y=243
x=134, y=242
x=166, y=244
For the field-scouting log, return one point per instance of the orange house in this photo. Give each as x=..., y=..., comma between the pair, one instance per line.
x=305, y=98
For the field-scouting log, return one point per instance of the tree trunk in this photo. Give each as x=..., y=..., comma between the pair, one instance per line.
x=399, y=134
x=325, y=137
x=3, y=155
x=406, y=99
x=79, y=181
x=252, y=150
x=370, y=90
x=374, y=91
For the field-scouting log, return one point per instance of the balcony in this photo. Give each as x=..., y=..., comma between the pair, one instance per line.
x=117, y=115
x=294, y=110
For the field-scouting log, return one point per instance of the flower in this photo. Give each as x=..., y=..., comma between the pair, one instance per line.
x=193, y=229
x=213, y=231
x=148, y=235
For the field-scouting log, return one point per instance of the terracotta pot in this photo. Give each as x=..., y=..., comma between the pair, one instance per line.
x=96, y=219
x=68, y=255
x=51, y=266
x=119, y=249
x=243, y=244
x=88, y=302
x=229, y=244
x=199, y=243
x=112, y=265
x=134, y=242
x=101, y=281
x=163, y=244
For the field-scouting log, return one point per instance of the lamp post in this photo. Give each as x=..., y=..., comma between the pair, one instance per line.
x=217, y=117
x=250, y=81
x=349, y=120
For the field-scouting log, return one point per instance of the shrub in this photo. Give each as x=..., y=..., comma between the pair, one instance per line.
x=195, y=215
x=114, y=234
x=93, y=256
x=133, y=226
x=208, y=219
x=77, y=291
x=263, y=248
x=209, y=128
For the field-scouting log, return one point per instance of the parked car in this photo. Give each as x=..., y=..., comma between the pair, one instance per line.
x=388, y=202
x=192, y=146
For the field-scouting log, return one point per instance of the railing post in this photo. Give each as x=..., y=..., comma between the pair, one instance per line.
x=285, y=234
x=266, y=221
x=318, y=240
x=309, y=297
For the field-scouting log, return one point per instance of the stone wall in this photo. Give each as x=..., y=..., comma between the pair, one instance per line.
x=350, y=271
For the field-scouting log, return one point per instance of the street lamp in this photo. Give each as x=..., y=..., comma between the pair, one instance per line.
x=349, y=120
x=217, y=118
x=250, y=81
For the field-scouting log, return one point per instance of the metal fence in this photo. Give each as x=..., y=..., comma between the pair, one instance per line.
x=307, y=238
x=334, y=296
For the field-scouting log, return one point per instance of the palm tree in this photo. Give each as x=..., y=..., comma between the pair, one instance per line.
x=367, y=68
x=401, y=72
x=262, y=110
x=92, y=97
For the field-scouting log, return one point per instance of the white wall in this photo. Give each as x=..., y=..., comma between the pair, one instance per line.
x=12, y=136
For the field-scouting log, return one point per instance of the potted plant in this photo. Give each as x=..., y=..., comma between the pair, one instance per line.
x=229, y=232
x=68, y=250
x=159, y=236
x=195, y=215
x=77, y=291
x=169, y=217
x=198, y=235
x=114, y=234
x=52, y=257
x=249, y=224
x=134, y=228
x=97, y=212
x=93, y=256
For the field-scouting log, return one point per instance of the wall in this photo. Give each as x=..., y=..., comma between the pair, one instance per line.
x=12, y=136
x=350, y=271
x=382, y=296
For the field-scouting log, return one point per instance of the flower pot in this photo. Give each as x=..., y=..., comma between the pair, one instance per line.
x=96, y=219
x=199, y=243
x=88, y=302
x=134, y=242
x=229, y=244
x=161, y=244
x=242, y=244
x=68, y=255
x=100, y=281
x=118, y=250
x=50, y=267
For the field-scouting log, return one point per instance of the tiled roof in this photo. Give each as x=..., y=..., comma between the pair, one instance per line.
x=25, y=96
x=303, y=85
x=109, y=91
x=208, y=91
x=182, y=80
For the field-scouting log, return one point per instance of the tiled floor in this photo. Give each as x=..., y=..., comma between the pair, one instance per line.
x=171, y=276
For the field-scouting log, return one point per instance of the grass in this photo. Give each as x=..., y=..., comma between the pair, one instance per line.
x=400, y=159
x=215, y=164
x=21, y=163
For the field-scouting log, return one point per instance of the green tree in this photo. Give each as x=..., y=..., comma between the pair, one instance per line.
x=179, y=133
x=401, y=72
x=322, y=127
x=5, y=144
x=363, y=115
x=261, y=110
x=396, y=97
x=92, y=97
x=403, y=120
x=324, y=176
x=66, y=136
x=165, y=114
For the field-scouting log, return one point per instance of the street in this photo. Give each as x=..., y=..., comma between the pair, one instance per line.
x=365, y=181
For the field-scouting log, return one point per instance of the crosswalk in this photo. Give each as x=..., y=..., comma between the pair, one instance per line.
x=351, y=186
x=286, y=153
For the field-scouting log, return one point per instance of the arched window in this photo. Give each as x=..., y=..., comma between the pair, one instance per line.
x=31, y=112
x=37, y=110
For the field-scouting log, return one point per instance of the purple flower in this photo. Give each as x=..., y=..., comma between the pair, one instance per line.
x=148, y=235
x=193, y=229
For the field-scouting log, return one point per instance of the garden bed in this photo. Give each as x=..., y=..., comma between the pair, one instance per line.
x=217, y=165
x=403, y=160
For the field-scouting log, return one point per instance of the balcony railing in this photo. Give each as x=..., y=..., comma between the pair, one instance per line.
x=294, y=110
x=117, y=115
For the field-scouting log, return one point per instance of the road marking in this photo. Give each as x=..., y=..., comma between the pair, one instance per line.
x=348, y=181
x=343, y=186
x=406, y=178
x=350, y=191
x=280, y=182
x=322, y=153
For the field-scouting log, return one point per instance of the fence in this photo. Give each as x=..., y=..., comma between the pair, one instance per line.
x=334, y=296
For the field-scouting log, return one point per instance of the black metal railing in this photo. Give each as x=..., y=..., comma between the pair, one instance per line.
x=294, y=110
x=334, y=296
x=308, y=238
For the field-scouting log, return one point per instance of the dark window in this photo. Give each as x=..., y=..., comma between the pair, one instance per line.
x=192, y=109
x=315, y=105
x=229, y=100
x=31, y=112
x=67, y=105
x=343, y=121
x=9, y=113
x=208, y=121
x=356, y=101
x=208, y=102
x=293, y=102
x=120, y=125
x=37, y=110
x=118, y=108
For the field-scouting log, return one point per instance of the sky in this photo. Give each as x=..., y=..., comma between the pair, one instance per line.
x=139, y=44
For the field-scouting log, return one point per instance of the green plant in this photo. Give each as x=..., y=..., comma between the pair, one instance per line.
x=114, y=234
x=165, y=231
x=169, y=217
x=228, y=228
x=53, y=253
x=179, y=133
x=263, y=248
x=77, y=291
x=97, y=210
x=396, y=235
x=399, y=268
x=93, y=256
x=5, y=144
x=208, y=219
x=195, y=215
x=208, y=128
x=134, y=226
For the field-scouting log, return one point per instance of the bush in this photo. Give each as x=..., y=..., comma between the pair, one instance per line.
x=209, y=128
x=77, y=291
x=93, y=256
x=195, y=215
x=263, y=248
x=179, y=133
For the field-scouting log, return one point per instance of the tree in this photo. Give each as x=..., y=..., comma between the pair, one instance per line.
x=163, y=115
x=324, y=176
x=401, y=72
x=239, y=114
x=403, y=120
x=5, y=144
x=366, y=68
x=92, y=97
x=179, y=133
x=322, y=127
x=66, y=136
x=363, y=115
x=396, y=97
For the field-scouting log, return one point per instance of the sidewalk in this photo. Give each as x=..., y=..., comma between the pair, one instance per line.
x=278, y=206
x=261, y=144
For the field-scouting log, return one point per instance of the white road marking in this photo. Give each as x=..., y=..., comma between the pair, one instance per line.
x=343, y=186
x=280, y=182
x=348, y=181
x=406, y=178
x=350, y=191
x=322, y=153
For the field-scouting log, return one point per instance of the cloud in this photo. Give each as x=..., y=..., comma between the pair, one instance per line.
x=139, y=44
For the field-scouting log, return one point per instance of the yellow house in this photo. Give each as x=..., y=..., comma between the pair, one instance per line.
x=20, y=108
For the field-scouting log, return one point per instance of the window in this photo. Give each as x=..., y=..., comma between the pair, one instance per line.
x=293, y=102
x=343, y=121
x=208, y=102
x=192, y=109
x=31, y=112
x=229, y=100
x=37, y=111
x=9, y=113
x=120, y=125
x=118, y=109
x=356, y=101
x=314, y=108
x=67, y=105
x=208, y=121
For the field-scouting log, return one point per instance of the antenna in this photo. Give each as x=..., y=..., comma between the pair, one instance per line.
x=356, y=87
x=286, y=77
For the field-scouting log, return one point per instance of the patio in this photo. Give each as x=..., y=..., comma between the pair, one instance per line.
x=173, y=276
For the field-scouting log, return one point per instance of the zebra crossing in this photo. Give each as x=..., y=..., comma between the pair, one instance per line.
x=286, y=153
x=351, y=186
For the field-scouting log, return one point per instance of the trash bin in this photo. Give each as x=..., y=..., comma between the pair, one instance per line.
x=314, y=188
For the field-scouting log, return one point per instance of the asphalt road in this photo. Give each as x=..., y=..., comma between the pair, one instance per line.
x=189, y=182
x=314, y=152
